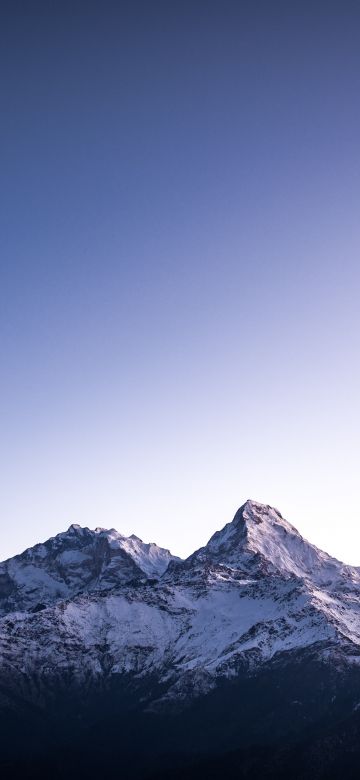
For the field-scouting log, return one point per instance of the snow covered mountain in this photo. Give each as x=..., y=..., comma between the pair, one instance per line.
x=96, y=612
x=76, y=561
x=256, y=589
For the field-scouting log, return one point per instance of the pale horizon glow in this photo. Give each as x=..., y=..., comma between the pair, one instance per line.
x=180, y=276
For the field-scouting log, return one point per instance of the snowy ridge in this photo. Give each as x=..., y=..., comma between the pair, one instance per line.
x=88, y=602
x=151, y=559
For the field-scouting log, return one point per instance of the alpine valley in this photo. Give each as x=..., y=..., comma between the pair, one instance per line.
x=119, y=660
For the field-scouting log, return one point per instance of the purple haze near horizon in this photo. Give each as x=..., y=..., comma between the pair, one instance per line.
x=179, y=302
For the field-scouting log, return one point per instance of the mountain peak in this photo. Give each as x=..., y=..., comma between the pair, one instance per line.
x=258, y=537
x=75, y=561
x=74, y=528
x=251, y=522
x=261, y=519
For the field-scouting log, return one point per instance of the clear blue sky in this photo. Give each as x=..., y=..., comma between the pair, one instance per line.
x=180, y=276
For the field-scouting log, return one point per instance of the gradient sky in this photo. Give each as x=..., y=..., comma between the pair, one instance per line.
x=180, y=275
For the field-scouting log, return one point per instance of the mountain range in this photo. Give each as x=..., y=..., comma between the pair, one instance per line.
x=121, y=660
